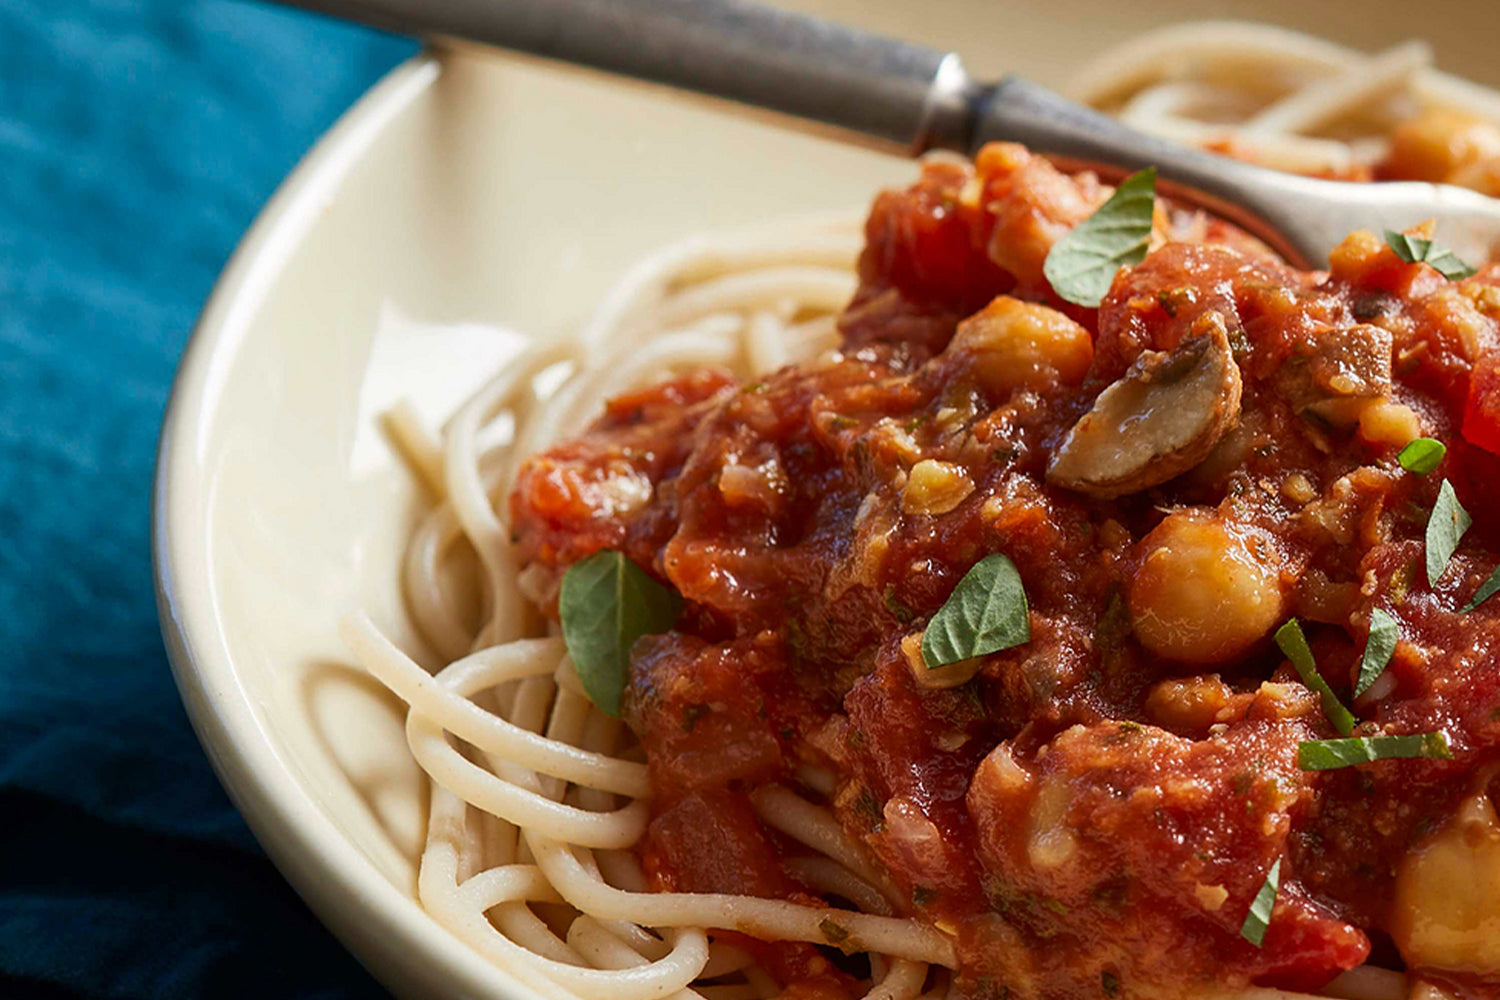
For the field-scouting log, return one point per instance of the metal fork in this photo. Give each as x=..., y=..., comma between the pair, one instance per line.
x=913, y=99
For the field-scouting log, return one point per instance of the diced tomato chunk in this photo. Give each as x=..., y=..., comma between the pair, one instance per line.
x=1482, y=410
x=712, y=842
x=923, y=242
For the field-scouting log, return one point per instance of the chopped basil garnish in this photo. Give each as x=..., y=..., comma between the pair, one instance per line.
x=1484, y=593
x=1259, y=917
x=1294, y=644
x=1414, y=250
x=606, y=603
x=1081, y=266
x=1445, y=527
x=898, y=610
x=1378, y=649
x=1329, y=755
x=1422, y=455
x=985, y=613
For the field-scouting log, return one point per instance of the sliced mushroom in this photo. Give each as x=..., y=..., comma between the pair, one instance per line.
x=1157, y=421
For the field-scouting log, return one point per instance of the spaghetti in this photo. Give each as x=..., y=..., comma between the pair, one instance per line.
x=1300, y=103
x=542, y=760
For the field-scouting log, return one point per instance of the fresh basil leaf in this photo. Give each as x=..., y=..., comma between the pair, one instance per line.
x=1081, y=266
x=1378, y=649
x=1484, y=593
x=1422, y=455
x=1448, y=264
x=1294, y=645
x=1329, y=755
x=1259, y=917
x=1416, y=250
x=606, y=603
x=1445, y=527
x=986, y=613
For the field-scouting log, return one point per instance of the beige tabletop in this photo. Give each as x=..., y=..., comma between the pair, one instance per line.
x=1049, y=40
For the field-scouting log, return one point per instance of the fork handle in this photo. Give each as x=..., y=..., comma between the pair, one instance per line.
x=899, y=94
x=914, y=99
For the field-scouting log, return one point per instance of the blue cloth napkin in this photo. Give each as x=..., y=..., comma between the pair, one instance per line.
x=137, y=141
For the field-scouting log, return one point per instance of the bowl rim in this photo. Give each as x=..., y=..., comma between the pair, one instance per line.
x=385, y=928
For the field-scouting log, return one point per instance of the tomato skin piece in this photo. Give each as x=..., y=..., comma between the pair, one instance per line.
x=1482, y=409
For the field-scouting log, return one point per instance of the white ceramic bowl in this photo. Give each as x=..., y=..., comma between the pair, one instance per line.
x=467, y=202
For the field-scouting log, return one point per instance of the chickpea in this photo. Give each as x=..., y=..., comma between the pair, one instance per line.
x=934, y=487
x=1394, y=425
x=1356, y=254
x=1009, y=344
x=1190, y=704
x=1439, y=144
x=1447, y=905
x=1482, y=175
x=1200, y=594
x=1000, y=158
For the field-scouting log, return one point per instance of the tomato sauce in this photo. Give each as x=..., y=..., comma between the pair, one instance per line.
x=1091, y=812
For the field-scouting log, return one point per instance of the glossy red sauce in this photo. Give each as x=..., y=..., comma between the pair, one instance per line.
x=1083, y=816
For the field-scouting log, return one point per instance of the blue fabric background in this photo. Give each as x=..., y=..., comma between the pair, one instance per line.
x=137, y=141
